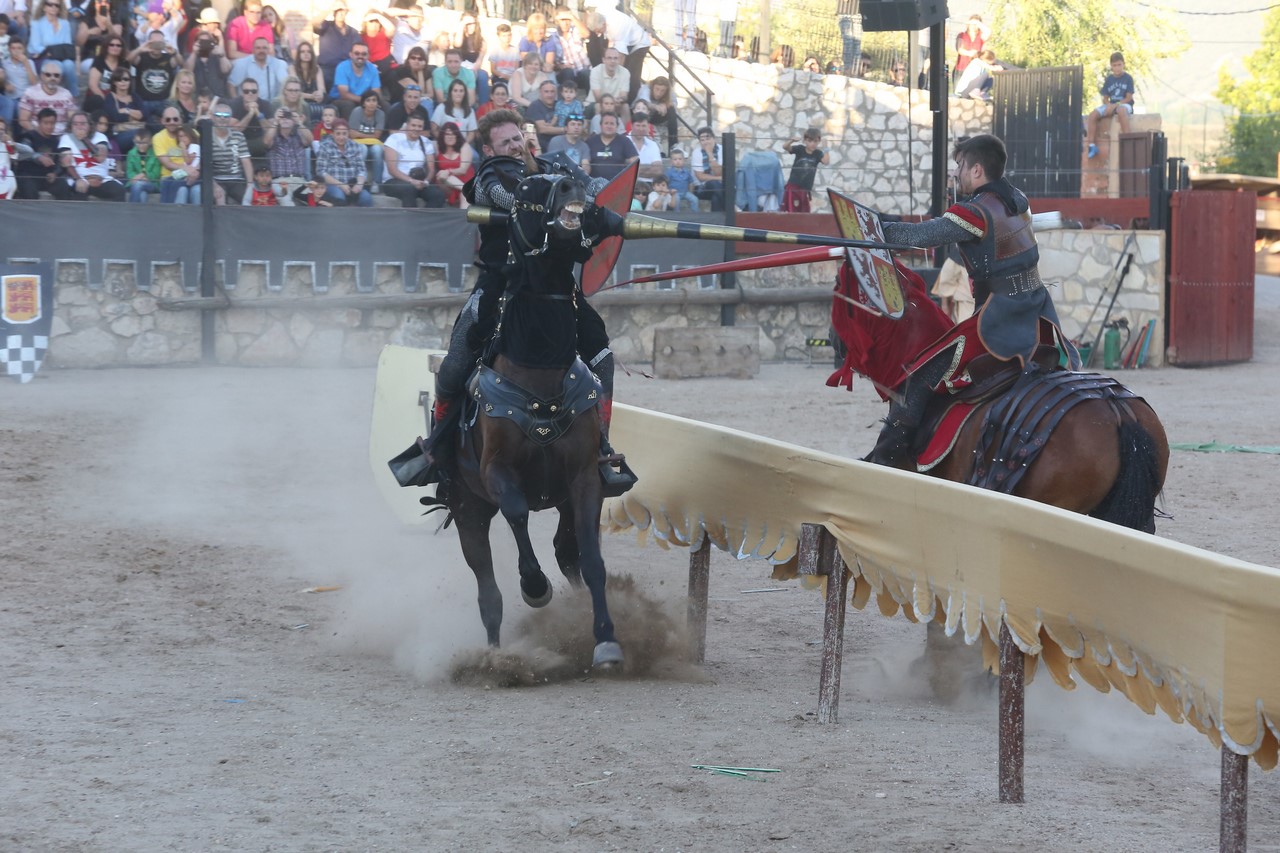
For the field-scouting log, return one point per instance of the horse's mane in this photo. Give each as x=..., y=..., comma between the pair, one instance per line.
x=877, y=347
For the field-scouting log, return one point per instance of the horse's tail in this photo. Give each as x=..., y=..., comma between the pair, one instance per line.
x=1132, y=499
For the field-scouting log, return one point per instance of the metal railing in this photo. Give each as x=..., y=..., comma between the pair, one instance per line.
x=673, y=59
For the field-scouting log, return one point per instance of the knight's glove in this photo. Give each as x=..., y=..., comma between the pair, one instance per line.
x=601, y=222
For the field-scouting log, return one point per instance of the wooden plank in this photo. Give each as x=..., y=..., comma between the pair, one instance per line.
x=732, y=351
x=696, y=612
x=1012, y=720
x=1233, y=835
x=818, y=555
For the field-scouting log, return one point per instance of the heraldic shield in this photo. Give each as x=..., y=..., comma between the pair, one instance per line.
x=26, y=317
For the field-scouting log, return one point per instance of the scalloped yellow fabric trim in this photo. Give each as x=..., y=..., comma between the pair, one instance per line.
x=1169, y=626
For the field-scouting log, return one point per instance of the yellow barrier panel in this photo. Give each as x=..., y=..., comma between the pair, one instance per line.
x=1170, y=626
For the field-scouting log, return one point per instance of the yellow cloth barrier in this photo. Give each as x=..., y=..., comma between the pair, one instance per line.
x=1168, y=625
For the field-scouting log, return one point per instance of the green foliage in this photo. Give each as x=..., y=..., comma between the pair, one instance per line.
x=1051, y=33
x=1253, y=136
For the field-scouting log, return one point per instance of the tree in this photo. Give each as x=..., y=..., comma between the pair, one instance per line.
x=1048, y=33
x=1253, y=135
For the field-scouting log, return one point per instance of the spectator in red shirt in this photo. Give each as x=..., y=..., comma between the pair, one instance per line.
x=243, y=30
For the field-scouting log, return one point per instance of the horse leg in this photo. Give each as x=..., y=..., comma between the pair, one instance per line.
x=586, y=522
x=566, y=544
x=502, y=482
x=472, y=517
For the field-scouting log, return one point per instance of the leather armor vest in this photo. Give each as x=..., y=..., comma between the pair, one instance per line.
x=1005, y=261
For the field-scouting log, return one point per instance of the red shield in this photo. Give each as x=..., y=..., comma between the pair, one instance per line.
x=616, y=196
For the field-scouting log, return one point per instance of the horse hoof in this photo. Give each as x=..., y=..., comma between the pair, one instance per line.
x=607, y=656
x=541, y=601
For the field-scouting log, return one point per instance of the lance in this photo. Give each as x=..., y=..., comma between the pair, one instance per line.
x=639, y=227
x=807, y=255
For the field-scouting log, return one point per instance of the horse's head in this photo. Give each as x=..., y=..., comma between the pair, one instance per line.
x=548, y=214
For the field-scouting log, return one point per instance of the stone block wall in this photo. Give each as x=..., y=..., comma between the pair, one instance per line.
x=880, y=137
x=119, y=324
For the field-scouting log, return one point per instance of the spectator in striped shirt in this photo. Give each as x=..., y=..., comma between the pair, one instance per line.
x=232, y=169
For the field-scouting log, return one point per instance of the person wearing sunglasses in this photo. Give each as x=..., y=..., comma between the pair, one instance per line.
x=353, y=77
x=229, y=161
x=47, y=94
x=250, y=111
x=53, y=38
x=111, y=55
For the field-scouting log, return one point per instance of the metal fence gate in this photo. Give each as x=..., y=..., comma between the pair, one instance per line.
x=1038, y=114
x=1211, y=276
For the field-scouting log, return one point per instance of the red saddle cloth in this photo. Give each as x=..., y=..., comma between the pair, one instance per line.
x=944, y=437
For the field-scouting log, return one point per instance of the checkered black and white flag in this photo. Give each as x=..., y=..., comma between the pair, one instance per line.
x=26, y=318
x=22, y=355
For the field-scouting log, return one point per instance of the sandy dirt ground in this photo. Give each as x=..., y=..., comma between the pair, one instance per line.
x=168, y=685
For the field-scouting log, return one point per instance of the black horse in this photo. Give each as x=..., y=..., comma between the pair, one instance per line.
x=530, y=433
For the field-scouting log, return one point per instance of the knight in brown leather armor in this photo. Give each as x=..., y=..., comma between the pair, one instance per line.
x=992, y=229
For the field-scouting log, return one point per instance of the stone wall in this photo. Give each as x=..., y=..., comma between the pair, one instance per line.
x=119, y=324
x=880, y=137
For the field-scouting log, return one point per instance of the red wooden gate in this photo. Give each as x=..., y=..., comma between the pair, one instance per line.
x=1211, y=267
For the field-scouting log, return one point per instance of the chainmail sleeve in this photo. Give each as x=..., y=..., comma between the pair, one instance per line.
x=594, y=188
x=927, y=234
x=494, y=194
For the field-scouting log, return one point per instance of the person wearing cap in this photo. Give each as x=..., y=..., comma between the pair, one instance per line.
x=336, y=38
x=208, y=23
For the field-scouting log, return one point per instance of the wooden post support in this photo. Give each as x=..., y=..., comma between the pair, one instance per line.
x=1012, y=720
x=1233, y=837
x=818, y=555
x=696, y=614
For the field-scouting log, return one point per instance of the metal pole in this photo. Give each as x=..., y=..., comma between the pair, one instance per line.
x=1012, y=721
x=938, y=105
x=729, y=177
x=696, y=612
x=208, y=255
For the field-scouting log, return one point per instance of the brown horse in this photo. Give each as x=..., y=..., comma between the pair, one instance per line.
x=1097, y=449
x=530, y=438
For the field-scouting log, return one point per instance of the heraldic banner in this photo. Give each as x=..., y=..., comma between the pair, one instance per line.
x=26, y=316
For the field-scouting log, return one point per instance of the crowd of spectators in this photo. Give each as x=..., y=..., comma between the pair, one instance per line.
x=100, y=99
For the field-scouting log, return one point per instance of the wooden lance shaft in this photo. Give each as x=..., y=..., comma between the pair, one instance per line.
x=639, y=227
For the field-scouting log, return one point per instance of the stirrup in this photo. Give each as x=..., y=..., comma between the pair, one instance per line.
x=615, y=473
